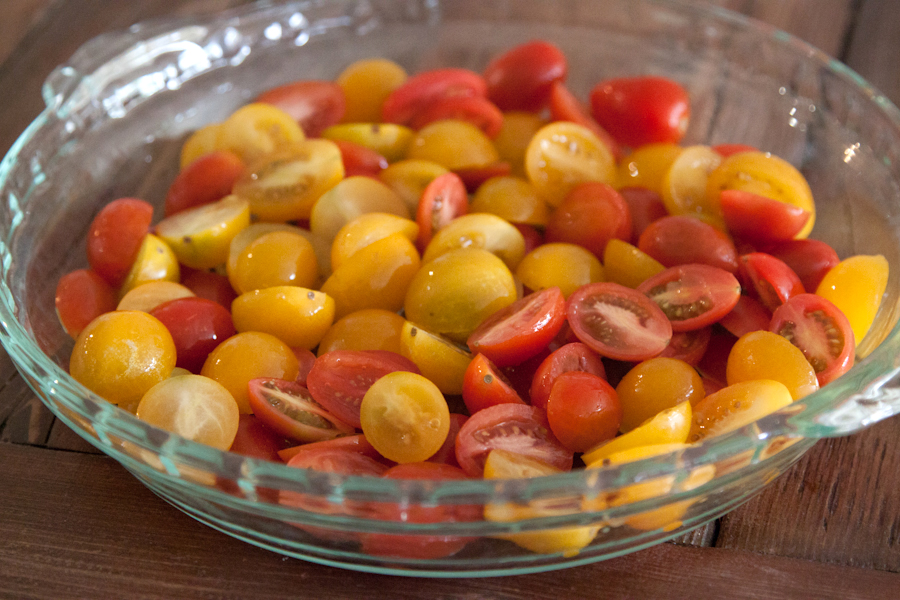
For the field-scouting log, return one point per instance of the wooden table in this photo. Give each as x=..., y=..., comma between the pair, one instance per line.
x=73, y=524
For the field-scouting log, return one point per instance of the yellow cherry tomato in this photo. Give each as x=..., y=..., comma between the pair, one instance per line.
x=155, y=261
x=627, y=265
x=203, y=141
x=669, y=426
x=685, y=183
x=249, y=355
x=767, y=355
x=258, y=129
x=366, y=329
x=368, y=228
x=438, y=359
x=387, y=139
x=562, y=155
x=737, y=405
x=409, y=178
x=284, y=185
x=297, y=316
x=515, y=134
x=647, y=166
x=655, y=385
x=511, y=198
x=148, y=296
x=559, y=264
x=352, y=197
x=122, y=354
x=194, y=407
x=453, y=144
x=277, y=258
x=200, y=237
x=366, y=84
x=405, y=417
x=479, y=230
x=856, y=285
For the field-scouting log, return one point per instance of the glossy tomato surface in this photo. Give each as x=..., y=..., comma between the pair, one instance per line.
x=693, y=295
x=641, y=110
x=522, y=78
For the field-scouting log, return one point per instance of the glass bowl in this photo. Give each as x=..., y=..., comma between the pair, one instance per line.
x=118, y=111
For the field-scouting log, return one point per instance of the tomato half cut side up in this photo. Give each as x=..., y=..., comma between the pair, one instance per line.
x=522, y=329
x=289, y=408
x=339, y=379
x=821, y=331
x=574, y=356
x=516, y=428
x=618, y=322
x=693, y=296
x=485, y=385
x=443, y=200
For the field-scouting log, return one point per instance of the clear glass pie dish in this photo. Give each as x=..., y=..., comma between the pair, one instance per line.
x=119, y=110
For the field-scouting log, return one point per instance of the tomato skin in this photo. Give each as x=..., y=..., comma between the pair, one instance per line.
x=583, y=410
x=339, y=379
x=590, y=215
x=305, y=361
x=574, y=356
x=641, y=110
x=761, y=220
x=473, y=177
x=257, y=440
x=359, y=160
x=197, y=326
x=645, y=206
x=417, y=92
x=726, y=150
x=446, y=454
x=564, y=106
x=533, y=237
x=485, y=385
x=115, y=236
x=351, y=443
x=208, y=179
x=477, y=110
x=522, y=329
x=773, y=281
x=522, y=78
x=443, y=200
x=749, y=314
x=315, y=105
x=693, y=295
x=679, y=239
x=517, y=428
x=82, y=296
x=289, y=409
x=688, y=346
x=209, y=285
x=595, y=313
x=821, y=331
x=809, y=259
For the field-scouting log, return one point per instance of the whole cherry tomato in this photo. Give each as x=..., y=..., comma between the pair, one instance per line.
x=641, y=110
x=315, y=105
x=522, y=78
x=115, y=237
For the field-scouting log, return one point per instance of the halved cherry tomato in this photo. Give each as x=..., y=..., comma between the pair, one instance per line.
x=338, y=380
x=618, y=322
x=522, y=329
x=115, y=237
x=477, y=110
x=485, y=385
x=305, y=360
x=761, y=220
x=443, y=200
x=315, y=105
x=809, y=259
x=573, y=356
x=197, y=326
x=645, y=206
x=289, y=408
x=714, y=363
x=583, y=410
x=773, y=281
x=749, y=314
x=590, y=215
x=256, y=439
x=82, y=296
x=641, y=110
x=359, y=160
x=350, y=443
x=693, y=295
x=473, y=177
x=416, y=93
x=564, y=106
x=820, y=330
x=209, y=285
x=522, y=78
x=446, y=454
x=533, y=237
x=516, y=428
x=208, y=179
x=680, y=239
x=332, y=459
x=688, y=346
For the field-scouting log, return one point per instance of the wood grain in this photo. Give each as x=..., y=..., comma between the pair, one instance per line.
x=877, y=62
x=97, y=560
x=18, y=17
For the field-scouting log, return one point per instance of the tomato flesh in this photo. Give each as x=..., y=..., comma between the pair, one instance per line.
x=693, y=296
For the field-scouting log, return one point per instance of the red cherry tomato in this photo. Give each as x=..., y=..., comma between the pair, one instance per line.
x=583, y=410
x=522, y=78
x=693, y=296
x=212, y=286
x=197, y=326
x=688, y=346
x=339, y=379
x=473, y=177
x=359, y=160
x=81, y=297
x=645, y=206
x=516, y=428
x=574, y=356
x=115, y=236
x=533, y=237
x=522, y=329
x=336, y=458
x=590, y=215
x=485, y=385
x=772, y=280
x=315, y=105
x=208, y=179
x=641, y=110
x=257, y=440
x=419, y=91
x=678, y=240
x=446, y=454
x=305, y=360
x=713, y=364
x=809, y=259
x=820, y=330
x=726, y=150
x=350, y=443
x=289, y=408
x=748, y=315
x=443, y=200
x=564, y=106
x=618, y=322
x=761, y=220
x=477, y=110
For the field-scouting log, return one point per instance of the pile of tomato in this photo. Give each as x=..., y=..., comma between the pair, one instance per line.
x=457, y=274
